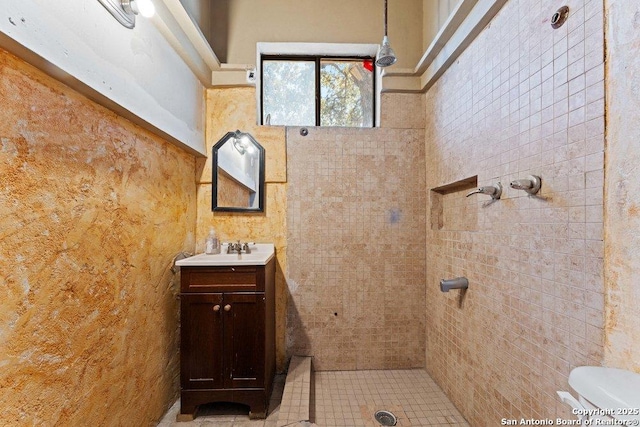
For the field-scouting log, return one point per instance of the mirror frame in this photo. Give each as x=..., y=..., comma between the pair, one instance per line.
x=214, y=173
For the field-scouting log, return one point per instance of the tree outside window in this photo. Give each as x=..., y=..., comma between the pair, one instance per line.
x=318, y=91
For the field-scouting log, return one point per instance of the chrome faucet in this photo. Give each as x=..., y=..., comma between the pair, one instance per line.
x=238, y=247
x=232, y=247
x=495, y=191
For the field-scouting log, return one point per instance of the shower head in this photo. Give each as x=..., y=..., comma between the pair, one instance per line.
x=386, y=56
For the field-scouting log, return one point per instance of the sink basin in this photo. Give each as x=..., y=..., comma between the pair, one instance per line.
x=261, y=254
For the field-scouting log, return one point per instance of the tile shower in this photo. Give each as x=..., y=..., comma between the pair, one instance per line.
x=528, y=100
x=522, y=99
x=356, y=246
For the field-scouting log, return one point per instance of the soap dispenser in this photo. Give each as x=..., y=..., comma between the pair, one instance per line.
x=212, y=245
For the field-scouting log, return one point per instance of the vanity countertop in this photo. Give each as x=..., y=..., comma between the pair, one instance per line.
x=261, y=254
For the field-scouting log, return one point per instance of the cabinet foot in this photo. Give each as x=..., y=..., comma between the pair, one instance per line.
x=187, y=411
x=257, y=415
x=184, y=417
x=257, y=410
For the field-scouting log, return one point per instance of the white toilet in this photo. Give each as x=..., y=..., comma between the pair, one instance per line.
x=604, y=394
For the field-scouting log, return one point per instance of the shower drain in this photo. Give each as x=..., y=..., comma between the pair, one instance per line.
x=386, y=418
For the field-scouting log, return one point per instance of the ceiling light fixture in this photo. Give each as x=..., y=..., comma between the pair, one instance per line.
x=386, y=56
x=125, y=11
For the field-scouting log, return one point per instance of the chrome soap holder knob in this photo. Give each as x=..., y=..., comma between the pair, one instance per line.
x=495, y=191
x=531, y=185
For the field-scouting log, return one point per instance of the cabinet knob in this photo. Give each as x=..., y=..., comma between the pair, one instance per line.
x=227, y=307
x=216, y=307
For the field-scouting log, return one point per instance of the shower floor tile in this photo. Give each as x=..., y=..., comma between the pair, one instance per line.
x=351, y=398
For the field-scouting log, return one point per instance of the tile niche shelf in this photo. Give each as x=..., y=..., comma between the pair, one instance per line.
x=451, y=210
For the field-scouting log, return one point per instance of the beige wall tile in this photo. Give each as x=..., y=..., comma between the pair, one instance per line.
x=522, y=99
x=355, y=245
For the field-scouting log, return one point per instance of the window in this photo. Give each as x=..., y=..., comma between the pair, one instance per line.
x=317, y=91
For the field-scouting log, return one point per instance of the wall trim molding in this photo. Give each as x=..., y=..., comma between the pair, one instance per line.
x=132, y=72
x=466, y=22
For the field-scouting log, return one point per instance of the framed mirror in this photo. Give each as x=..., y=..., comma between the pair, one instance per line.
x=238, y=174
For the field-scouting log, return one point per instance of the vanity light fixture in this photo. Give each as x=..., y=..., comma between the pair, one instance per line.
x=125, y=11
x=238, y=146
x=240, y=142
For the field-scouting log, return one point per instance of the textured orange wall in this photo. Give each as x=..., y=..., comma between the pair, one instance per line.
x=93, y=210
x=230, y=192
x=228, y=110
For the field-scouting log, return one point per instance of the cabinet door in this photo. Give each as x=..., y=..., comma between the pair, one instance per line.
x=201, y=346
x=244, y=340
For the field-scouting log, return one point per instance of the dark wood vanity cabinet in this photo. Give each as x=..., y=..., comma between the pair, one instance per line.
x=227, y=349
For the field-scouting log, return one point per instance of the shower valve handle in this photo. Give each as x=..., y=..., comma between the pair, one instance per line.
x=495, y=191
